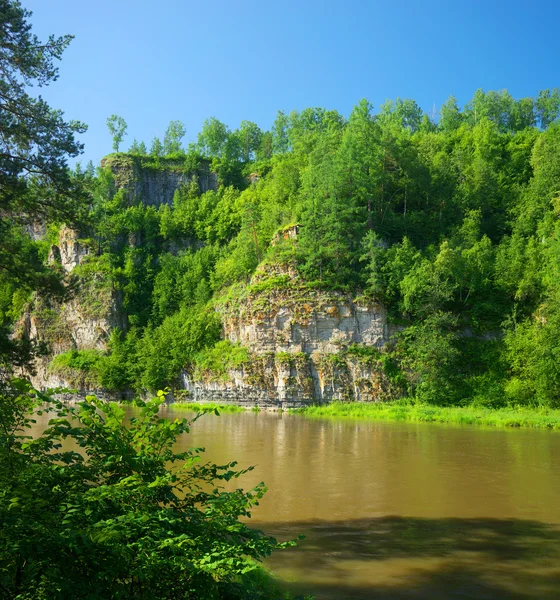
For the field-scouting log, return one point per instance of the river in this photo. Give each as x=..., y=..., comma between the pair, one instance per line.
x=399, y=510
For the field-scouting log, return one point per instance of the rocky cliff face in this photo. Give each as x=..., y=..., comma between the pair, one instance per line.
x=155, y=186
x=317, y=321
x=67, y=326
x=69, y=252
x=305, y=346
x=82, y=321
x=296, y=380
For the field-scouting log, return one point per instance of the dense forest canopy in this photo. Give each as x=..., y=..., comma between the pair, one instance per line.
x=452, y=224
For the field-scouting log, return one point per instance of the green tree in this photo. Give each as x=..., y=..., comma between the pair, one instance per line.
x=429, y=354
x=35, y=143
x=250, y=136
x=212, y=138
x=134, y=147
x=129, y=517
x=117, y=128
x=402, y=113
x=172, y=139
x=450, y=115
x=360, y=162
x=280, y=138
x=548, y=106
x=156, y=149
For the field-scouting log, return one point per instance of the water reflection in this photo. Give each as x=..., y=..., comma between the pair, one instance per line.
x=406, y=557
x=394, y=510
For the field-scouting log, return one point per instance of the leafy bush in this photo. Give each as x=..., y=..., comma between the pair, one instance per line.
x=126, y=516
x=81, y=368
x=214, y=363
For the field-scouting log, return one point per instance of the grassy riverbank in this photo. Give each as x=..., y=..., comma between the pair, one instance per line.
x=207, y=407
x=542, y=418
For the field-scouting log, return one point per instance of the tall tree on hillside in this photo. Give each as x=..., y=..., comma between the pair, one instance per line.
x=266, y=147
x=312, y=126
x=548, y=106
x=212, y=138
x=359, y=163
x=401, y=113
x=522, y=114
x=450, y=115
x=156, y=148
x=35, y=142
x=117, y=128
x=328, y=234
x=250, y=136
x=280, y=138
x=172, y=139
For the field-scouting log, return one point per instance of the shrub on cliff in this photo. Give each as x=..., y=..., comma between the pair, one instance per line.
x=101, y=506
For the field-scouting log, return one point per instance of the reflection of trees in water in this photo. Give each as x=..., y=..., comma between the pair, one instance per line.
x=397, y=557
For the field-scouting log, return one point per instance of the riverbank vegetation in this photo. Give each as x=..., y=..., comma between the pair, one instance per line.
x=102, y=502
x=519, y=416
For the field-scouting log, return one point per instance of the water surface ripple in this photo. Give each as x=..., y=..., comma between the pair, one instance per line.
x=400, y=510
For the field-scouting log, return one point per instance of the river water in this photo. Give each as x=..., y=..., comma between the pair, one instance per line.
x=399, y=510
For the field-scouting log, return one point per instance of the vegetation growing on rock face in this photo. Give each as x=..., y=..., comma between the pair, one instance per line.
x=451, y=225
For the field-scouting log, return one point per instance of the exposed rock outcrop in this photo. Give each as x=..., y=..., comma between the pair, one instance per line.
x=76, y=324
x=306, y=345
x=153, y=185
x=69, y=252
x=295, y=380
x=284, y=321
x=279, y=313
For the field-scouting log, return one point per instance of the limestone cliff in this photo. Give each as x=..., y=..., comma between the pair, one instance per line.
x=305, y=345
x=83, y=320
x=70, y=251
x=152, y=184
x=295, y=380
x=300, y=320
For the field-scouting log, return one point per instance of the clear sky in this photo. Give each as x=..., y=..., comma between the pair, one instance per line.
x=152, y=62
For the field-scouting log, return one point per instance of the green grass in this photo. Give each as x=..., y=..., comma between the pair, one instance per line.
x=207, y=407
x=536, y=417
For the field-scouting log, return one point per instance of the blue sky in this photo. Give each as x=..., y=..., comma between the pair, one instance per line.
x=152, y=62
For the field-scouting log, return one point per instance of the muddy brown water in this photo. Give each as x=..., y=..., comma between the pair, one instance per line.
x=399, y=510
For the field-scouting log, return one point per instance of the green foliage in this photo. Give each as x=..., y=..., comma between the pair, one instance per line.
x=430, y=355
x=117, y=128
x=410, y=410
x=532, y=350
x=172, y=139
x=163, y=351
x=79, y=367
x=214, y=363
x=127, y=515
